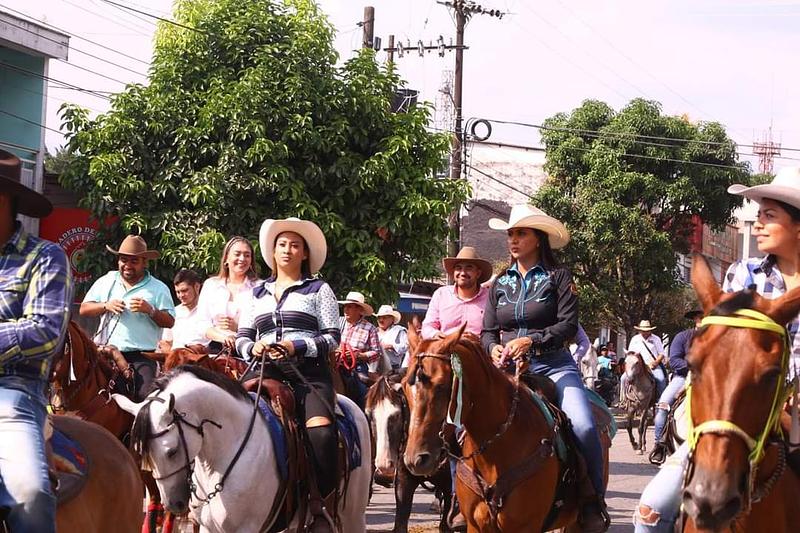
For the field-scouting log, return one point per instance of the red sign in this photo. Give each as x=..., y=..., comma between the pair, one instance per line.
x=72, y=230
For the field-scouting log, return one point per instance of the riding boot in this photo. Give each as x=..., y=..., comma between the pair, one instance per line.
x=593, y=517
x=455, y=520
x=322, y=514
x=659, y=454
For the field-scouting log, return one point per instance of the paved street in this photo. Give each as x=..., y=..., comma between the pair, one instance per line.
x=629, y=474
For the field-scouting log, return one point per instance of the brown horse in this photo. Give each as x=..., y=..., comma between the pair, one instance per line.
x=738, y=372
x=111, y=499
x=509, y=444
x=222, y=363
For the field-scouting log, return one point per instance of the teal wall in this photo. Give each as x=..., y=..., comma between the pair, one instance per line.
x=22, y=95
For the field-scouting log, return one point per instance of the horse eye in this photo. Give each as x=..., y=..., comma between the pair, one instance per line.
x=171, y=453
x=770, y=374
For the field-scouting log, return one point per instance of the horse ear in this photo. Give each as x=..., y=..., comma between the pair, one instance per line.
x=452, y=338
x=126, y=404
x=170, y=403
x=782, y=310
x=707, y=289
x=413, y=333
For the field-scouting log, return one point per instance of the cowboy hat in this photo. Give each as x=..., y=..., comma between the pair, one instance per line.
x=136, y=246
x=387, y=310
x=468, y=255
x=785, y=187
x=315, y=240
x=644, y=325
x=357, y=298
x=692, y=314
x=527, y=216
x=29, y=202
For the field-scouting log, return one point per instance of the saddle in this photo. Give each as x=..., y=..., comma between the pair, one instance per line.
x=68, y=464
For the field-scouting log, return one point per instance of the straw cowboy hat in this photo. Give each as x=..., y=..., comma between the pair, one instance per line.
x=468, y=255
x=387, y=310
x=310, y=232
x=357, y=298
x=644, y=325
x=527, y=216
x=136, y=246
x=29, y=202
x=785, y=187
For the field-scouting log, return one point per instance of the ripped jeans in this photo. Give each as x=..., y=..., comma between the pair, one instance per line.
x=663, y=496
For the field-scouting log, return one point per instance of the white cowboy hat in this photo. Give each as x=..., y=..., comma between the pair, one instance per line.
x=310, y=232
x=468, y=255
x=644, y=325
x=357, y=298
x=527, y=216
x=136, y=246
x=388, y=310
x=785, y=187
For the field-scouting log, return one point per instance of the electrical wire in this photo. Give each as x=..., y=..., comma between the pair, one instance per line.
x=136, y=29
x=48, y=78
x=23, y=119
x=162, y=19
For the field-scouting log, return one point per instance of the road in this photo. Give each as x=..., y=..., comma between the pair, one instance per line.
x=629, y=475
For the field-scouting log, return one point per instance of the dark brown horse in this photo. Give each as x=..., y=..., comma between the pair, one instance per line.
x=222, y=363
x=738, y=363
x=508, y=444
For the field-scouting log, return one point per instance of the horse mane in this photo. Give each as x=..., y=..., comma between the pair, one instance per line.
x=469, y=348
x=382, y=389
x=740, y=300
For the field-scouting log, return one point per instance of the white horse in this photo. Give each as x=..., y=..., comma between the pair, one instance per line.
x=195, y=424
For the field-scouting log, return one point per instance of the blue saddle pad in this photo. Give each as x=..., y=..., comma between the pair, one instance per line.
x=349, y=431
x=68, y=455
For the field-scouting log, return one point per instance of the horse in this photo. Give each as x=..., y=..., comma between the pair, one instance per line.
x=388, y=413
x=737, y=477
x=509, y=476
x=212, y=456
x=640, y=397
x=81, y=383
x=588, y=367
x=111, y=499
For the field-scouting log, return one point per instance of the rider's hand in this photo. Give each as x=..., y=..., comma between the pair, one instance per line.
x=259, y=349
x=114, y=306
x=653, y=364
x=227, y=323
x=140, y=305
x=229, y=342
x=518, y=347
x=497, y=355
x=279, y=354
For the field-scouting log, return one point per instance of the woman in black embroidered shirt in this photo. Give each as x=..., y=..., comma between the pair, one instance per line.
x=301, y=314
x=533, y=310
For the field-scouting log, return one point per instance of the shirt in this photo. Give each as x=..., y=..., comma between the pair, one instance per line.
x=188, y=329
x=446, y=312
x=764, y=274
x=307, y=315
x=678, y=350
x=582, y=344
x=130, y=331
x=542, y=305
x=362, y=336
x=216, y=300
x=35, y=293
x=397, y=336
x=649, y=349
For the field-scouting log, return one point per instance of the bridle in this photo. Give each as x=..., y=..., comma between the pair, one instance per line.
x=747, y=319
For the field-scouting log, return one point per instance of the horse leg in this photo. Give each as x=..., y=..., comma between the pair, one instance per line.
x=643, y=431
x=631, y=413
x=404, y=488
x=154, y=508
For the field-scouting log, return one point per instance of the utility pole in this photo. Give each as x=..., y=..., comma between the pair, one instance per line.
x=368, y=26
x=390, y=50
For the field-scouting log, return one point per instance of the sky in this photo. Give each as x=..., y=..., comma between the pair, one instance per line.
x=732, y=61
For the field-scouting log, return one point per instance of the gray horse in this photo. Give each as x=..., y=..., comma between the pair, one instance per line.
x=640, y=396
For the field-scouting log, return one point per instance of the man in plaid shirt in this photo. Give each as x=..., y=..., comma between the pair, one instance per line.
x=359, y=339
x=35, y=291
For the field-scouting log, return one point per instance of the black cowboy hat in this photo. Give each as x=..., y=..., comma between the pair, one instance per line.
x=692, y=314
x=29, y=202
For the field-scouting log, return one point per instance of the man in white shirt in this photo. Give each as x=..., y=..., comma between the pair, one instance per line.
x=393, y=336
x=188, y=329
x=651, y=349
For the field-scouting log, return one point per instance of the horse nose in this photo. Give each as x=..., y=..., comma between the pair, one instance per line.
x=710, y=509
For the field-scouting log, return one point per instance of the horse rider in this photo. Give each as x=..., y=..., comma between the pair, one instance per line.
x=531, y=313
x=678, y=350
x=777, y=227
x=35, y=294
x=298, y=312
x=449, y=308
x=393, y=336
x=651, y=349
x=188, y=330
x=360, y=340
x=134, y=306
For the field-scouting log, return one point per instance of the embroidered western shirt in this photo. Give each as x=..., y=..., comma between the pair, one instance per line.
x=35, y=294
x=446, y=312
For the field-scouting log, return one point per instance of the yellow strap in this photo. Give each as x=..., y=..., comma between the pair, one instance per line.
x=762, y=322
x=724, y=426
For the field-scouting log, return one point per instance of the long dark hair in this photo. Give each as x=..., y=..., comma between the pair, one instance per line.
x=251, y=273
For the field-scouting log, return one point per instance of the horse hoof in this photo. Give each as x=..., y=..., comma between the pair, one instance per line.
x=635, y=446
x=639, y=452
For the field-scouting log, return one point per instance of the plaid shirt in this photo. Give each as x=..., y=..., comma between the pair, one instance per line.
x=362, y=336
x=764, y=274
x=35, y=293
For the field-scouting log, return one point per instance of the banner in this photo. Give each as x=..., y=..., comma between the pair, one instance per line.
x=71, y=229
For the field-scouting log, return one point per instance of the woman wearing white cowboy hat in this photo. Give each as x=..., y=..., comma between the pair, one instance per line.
x=532, y=311
x=777, y=232
x=298, y=312
x=393, y=336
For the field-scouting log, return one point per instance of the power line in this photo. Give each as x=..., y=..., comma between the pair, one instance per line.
x=479, y=171
x=47, y=78
x=23, y=119
x=162, y=19
x=148, y=23
x=136, y=29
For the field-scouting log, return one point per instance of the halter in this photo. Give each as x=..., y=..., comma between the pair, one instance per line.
x=746, y=319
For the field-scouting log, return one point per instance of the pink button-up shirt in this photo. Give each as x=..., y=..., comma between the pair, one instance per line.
x=447, y=312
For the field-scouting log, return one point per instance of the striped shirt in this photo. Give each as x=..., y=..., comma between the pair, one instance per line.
x=35, y=294
x=307, y=315
x=764, y=274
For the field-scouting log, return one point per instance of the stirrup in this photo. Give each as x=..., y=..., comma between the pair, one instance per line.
x=319, y=511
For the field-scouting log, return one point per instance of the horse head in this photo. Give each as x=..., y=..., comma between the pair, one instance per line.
x=72, y=365
x=428, y=388
x=635, y=366
x=737, y=375
x=387, y=411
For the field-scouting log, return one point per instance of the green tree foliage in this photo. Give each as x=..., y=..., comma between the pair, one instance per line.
x=628, y=185
x=249, y=117
x=59, y=162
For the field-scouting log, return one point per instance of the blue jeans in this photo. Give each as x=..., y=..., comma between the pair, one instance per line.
x=24, y=482
x=665, y=401
x=571, y=396
x=663, y=496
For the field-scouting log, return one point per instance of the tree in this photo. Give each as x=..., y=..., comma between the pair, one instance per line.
x=57, y=163
x=248, y=117
x=630, y=186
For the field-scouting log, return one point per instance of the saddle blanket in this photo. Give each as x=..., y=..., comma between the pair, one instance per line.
x=344, y=421
x=70, y=465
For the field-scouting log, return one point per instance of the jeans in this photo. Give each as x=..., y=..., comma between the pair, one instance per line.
x=571, y=396
x=24, y=482
x=659, y=375
x=663, y=496
x=665, y=401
